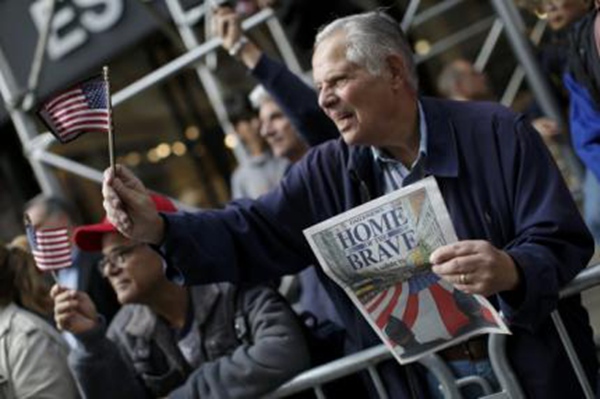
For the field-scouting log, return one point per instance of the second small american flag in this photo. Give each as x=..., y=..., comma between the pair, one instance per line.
x=51, y=248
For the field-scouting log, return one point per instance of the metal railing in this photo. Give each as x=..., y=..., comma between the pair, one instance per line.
x=368, y=359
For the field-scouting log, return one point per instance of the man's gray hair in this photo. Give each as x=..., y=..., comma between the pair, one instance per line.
x=371, y=37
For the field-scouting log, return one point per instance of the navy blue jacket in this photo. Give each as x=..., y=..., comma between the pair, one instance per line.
x=499, y=184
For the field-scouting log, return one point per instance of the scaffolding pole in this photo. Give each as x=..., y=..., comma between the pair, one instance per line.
x=540, y=87
x=25, y=127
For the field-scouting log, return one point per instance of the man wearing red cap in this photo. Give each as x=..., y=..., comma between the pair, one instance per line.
x=206, y=341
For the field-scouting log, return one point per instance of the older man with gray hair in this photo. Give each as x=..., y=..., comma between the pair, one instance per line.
x=520, y=235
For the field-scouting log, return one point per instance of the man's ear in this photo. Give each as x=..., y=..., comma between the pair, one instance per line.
x=396, y=67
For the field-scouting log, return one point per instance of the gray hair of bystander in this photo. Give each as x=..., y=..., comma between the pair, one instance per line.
x=371, y=37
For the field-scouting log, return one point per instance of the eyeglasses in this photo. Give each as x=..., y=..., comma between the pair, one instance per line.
x=117, y=257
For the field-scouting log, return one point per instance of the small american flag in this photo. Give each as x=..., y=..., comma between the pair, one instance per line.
x=83, y=108
x=51, y=248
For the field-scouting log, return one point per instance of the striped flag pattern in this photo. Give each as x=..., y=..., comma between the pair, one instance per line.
x=81, y=109
x=424, y=303
x=51, y=248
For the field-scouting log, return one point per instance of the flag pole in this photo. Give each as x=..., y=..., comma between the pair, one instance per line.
x=111, y=131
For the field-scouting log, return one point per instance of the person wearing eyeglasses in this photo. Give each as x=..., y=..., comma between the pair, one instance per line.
x=209, y=341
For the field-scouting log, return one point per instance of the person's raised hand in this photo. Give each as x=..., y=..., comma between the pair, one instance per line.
x=475, y=267
x=74, y=311
x=129, y=207
x=227, y=25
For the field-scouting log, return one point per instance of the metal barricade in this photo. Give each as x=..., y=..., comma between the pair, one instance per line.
x=368, y=359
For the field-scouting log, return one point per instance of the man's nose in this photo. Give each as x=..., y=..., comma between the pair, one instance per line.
x=113, y=270
x=326, y=99
x=266, y=130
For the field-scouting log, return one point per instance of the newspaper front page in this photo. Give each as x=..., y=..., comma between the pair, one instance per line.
x=379, y=254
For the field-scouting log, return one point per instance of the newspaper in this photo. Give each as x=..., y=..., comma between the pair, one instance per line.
x=379, y=254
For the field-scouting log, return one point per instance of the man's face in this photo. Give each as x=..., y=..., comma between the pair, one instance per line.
x=562, y=13
x=249, y=131
x=40, y=219
x=357, y=101
x=473, y=85
x=279, y=132
x=133, y=270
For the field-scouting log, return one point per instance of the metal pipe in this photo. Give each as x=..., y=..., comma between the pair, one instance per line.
x=89, y=173
x=519, y=73
x=76, y=168
x=164, y=26
x=433, y=12
x=436, y=366
x=456, y=38
x=183, y=61
x=488, y=46
x=319, y=392
x=25, y=127
x=207, y=79
x=475, y=380
x=508, y=13
x=282, y=43
x=504, y=373
x=379, y=387
x=409, y=14
x=572, y=354
x=195, y=14
x=588, y=278
x=333, y=370
x=512, y=87
x=38, y=58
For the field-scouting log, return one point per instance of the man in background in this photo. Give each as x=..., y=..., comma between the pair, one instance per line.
x=261, y=171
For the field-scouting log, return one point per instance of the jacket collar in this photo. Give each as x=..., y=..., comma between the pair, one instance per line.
x=442, y=158
x=204, y=298
x=7, y=312
x=442, y=155
x=143, y=320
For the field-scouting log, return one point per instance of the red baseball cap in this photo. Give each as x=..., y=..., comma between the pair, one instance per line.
x=89, y=237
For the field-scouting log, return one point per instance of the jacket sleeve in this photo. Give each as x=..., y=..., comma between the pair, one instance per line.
x=248, y=241
x=39, y=367
x=297, y=100
x=237, y=185
x=550, y=243
x=584, y=120
x=102, y=370
x=255, y=240
x=276, y=353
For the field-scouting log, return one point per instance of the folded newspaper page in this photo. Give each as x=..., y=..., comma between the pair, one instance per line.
x=379, y=254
